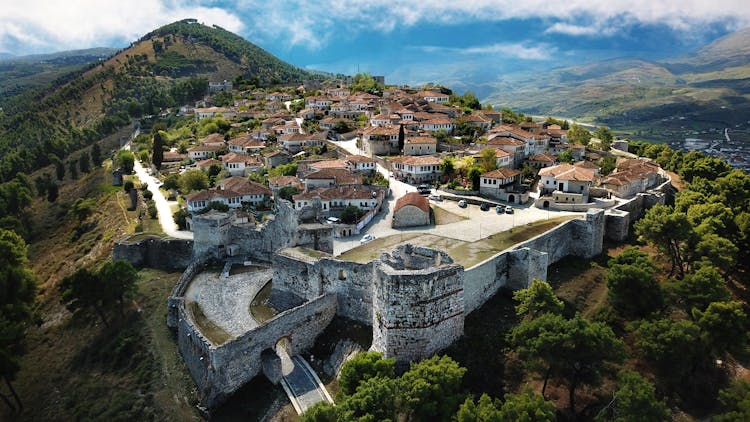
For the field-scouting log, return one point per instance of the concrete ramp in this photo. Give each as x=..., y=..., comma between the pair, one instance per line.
x=301, y=383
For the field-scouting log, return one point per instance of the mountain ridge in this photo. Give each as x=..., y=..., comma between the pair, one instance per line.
x=628, y=91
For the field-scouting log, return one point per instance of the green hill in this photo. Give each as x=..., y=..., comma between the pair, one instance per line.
x=167, y=67
x=710, y=87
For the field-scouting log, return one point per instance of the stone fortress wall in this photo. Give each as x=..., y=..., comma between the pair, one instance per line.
x=416, y=299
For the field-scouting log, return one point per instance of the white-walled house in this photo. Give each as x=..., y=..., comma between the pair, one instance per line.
x=566, y=183
x=416, y=169
x=201, y=152
x=502, y=184
x=360, y=163
x=337, y=197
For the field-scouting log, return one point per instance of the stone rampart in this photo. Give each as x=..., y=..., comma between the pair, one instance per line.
x=154, y=252
x=418, y=304
x=236, y=362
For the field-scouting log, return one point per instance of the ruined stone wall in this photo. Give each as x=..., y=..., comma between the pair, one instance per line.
x=308, y=277
x=236, y=362
x=417, y=312
x=155, y=252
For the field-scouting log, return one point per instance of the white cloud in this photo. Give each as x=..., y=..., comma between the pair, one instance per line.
x=47, y=24
x=302, y=22
x=41, y=25
x=523, y=50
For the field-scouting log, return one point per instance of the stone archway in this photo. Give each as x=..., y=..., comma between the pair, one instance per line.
x=511, y=198
x=545, y=204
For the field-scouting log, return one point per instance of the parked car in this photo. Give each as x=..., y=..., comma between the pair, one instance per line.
x=333, y=220
x=499, y=209
x=509, y=209
x=367, y=238
x=424, y=189
x=484, y=207
x=436, y=198
x=462, y=203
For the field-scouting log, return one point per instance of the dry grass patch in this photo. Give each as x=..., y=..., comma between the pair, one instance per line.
x=465, y=253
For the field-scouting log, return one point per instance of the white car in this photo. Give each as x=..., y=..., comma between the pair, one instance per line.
x=367, y=238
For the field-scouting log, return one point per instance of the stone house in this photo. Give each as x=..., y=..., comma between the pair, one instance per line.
x=420, y=145
x=330, y=177
x=276, y=158
x=380, y=140
x=411, y=210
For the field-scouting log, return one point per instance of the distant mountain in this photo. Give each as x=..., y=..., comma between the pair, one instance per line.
x=710, y=87
x=18, y=73
x=167, y=67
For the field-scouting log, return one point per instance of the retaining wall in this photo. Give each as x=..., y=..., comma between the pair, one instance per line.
x=155, y=252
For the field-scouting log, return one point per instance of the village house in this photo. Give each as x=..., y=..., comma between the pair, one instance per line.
x=416, y=169
x=503, y=184
x=219, y=86
x=577, y=151
x=330, y=177
x=278, y=96
x=543, y=160
x=537, y=143
x=361, y=164
x=252, y=193
x=631, y=177
x=295, y=142
x=380, y=140
x=207, y=112
x=214, y=139
x=433, y=97
x=502, y=158
x=420, y=145
x=200, y=200
x=245, y=145
x=205, y=165
x=276, y=158
x=518, y=150
x=200, y=152
x=433, y=125
x=240, y=164
x=278, y=182
x=337, y=198
x=566, y=183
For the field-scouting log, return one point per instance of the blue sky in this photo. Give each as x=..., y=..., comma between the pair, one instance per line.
x=406, y=40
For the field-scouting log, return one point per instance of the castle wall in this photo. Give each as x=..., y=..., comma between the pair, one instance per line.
x=235, y=363
x=154, y=252
x=417, y=312
x=310, y=277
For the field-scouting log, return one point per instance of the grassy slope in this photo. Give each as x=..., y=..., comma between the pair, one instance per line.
x=76, y=368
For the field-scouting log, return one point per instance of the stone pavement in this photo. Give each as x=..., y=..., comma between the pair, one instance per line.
x=226, y=301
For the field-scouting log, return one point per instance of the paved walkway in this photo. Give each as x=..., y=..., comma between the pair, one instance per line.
x=226, y=301
x=164, y=207
x=301, y=384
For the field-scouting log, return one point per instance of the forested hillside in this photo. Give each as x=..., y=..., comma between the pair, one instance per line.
x=166, y=68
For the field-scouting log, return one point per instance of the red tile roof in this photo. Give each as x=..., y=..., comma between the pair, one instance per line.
x=414, y=199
